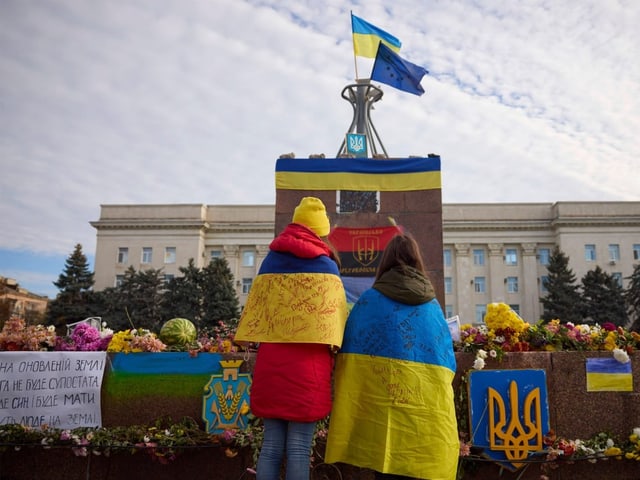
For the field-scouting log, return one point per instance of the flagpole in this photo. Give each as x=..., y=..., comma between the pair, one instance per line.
x=355, y=61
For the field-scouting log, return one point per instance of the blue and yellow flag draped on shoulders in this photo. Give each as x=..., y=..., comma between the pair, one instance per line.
x=395, y=365
x=294, y=300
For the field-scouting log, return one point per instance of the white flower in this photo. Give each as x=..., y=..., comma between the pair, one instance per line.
x=610, y=443
x=481, y=354
x=493, y=354
x=636, y=431
x=499, y=339
x=478, y=363
x=146, y=439
x=620, y=355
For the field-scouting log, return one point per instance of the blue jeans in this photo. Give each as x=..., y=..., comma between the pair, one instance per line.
x=282, y=437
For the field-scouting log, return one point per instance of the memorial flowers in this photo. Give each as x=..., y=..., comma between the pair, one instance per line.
x=504, y=331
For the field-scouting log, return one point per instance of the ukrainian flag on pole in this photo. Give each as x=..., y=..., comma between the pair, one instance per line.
x=366, y=38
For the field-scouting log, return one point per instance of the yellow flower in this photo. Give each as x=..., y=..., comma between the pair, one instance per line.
x=613, y=452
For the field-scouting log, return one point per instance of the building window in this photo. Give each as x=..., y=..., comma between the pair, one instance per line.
x=123, y=255
x=215, y=254
x=515, y=307
x=119, y=281
x=617, y=277
x=543, y=284
x=168, y=277
x=246, y=285
x=478, y=256
x=448, y=285
x=146, y=254
x=248, y=258
x=479, y=284
x=169, y=254
x=544, y=254
x=481, y=310
x=590, y=252
x=447, y=257
x=511, y=256
x=614, y=252
x=512, y=284
x=448, y=311
x=636, y=251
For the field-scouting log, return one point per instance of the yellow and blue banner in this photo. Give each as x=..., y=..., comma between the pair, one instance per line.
x=295, y=300
x=393, y=409
x=608, y=375
x=366, y=38
x=359, y=174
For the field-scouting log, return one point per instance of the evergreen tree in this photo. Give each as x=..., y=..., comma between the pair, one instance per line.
x=110, y=301
x=562, y=300
x=632, y=298
x=219, y=299
x=183, y=295
x=74, y=302
x=141, y=295
x=603, y=298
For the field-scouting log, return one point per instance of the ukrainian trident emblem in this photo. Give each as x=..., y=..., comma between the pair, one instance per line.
x=509, y=414
x=366, y=249
x=226, y=398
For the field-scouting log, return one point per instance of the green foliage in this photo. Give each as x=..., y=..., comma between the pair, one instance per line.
x=563, y=299
x=75, y=301
x=219, y=300
x=602, y=299
x=183, y=295
x=136, y=303
x=632, y=298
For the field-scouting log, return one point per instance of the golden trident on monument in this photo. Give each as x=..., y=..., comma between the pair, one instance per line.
x=515, y=439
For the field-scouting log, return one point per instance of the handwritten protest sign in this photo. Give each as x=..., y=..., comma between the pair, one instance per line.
x=58, y=389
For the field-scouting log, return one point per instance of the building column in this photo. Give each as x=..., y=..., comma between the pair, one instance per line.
x=530, y=307
x=463, y=306
x=231, y=253
x=496, y=272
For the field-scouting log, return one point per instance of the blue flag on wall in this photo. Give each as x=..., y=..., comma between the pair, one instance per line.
x=393, y=70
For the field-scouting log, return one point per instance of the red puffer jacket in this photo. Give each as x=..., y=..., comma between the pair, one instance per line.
x=292, y=381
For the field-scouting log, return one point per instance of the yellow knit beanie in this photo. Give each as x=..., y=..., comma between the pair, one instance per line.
x=311, y=213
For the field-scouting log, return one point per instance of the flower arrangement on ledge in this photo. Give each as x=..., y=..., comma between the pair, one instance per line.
x=504, y=331
x=16, y=335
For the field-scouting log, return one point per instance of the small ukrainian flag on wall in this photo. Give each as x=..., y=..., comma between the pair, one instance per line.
x=608, y=375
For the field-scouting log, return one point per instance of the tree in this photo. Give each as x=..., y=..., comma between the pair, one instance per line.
x=603, y=298
x=563, y=297
x=632, y=298
x=219, y=299
x=136, y=302
x=183, y=295
x=74, y=302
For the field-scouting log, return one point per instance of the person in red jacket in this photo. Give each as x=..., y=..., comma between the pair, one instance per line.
x=296, y=311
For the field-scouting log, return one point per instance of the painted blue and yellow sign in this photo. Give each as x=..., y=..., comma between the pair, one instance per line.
x=509, y=414
x=226, y=398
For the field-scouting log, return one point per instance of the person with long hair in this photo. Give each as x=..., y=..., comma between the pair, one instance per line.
x=296, y=312
x=393, y=409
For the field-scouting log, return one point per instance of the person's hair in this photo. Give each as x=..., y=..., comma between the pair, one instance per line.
x=402, y=250
x=334, y=255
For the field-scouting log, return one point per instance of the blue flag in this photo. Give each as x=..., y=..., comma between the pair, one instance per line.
x=393, y=70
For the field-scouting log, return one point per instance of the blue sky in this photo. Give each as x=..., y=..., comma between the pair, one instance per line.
x=191, y=101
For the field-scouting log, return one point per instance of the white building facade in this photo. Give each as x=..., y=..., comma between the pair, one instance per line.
x=492, y=252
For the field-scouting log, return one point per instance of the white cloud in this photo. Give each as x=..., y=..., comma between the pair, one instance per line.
x=192, y=101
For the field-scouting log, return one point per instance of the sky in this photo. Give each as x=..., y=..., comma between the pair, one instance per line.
x=192, y=101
